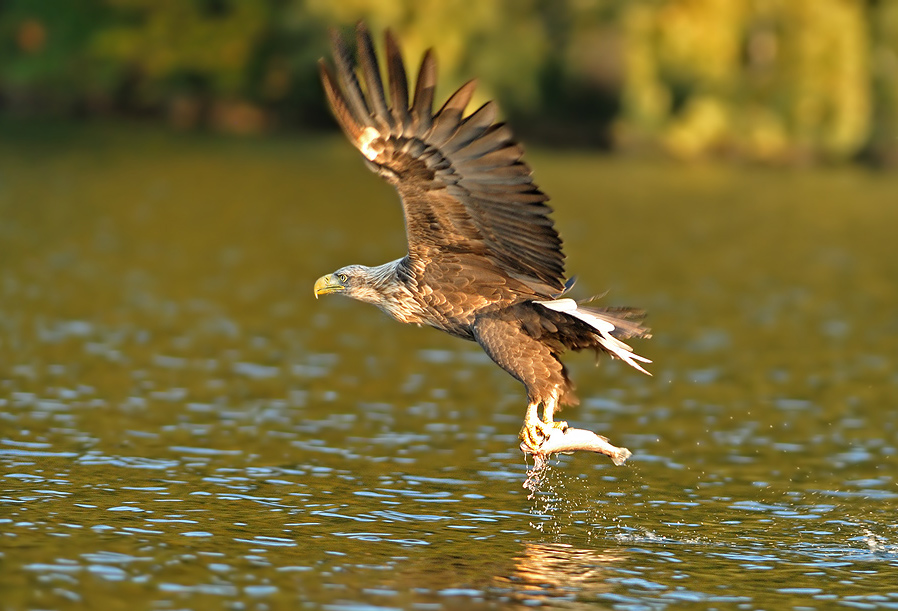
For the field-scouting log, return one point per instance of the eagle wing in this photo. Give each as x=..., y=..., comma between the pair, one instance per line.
x=465, y=192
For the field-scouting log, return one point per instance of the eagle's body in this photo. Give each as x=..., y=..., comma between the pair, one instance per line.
x=484, y=260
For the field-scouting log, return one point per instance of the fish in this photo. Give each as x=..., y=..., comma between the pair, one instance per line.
x=572, y=440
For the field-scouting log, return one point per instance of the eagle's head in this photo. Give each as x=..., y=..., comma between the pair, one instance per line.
x=356, y=281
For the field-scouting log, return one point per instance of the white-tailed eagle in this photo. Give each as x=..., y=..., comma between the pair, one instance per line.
x=484, y=260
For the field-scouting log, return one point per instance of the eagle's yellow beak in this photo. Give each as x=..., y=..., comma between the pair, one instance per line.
x=327, y=284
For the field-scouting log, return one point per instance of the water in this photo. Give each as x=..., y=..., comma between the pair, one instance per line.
x=183, y=426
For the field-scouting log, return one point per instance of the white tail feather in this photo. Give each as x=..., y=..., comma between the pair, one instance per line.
x=604, y=327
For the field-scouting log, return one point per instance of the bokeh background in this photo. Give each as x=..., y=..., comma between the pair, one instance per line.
x=776, y=81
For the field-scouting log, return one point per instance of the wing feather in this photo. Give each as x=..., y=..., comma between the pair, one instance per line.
x=508, y=155
x=352, y=92
x=509, y=175
x=425, y=89
x=485, y=142
x=371, y=74
x=342, y=112
x=472, y=128
x=465, y=190
x=448, y=119
x=398, y=85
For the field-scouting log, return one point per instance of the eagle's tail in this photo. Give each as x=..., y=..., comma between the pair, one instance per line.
x=609, y=327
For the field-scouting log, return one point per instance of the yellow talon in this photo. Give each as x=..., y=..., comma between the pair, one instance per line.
x=560, y=424
x=535, y=431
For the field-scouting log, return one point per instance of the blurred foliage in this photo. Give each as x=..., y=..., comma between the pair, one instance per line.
x=768, y=80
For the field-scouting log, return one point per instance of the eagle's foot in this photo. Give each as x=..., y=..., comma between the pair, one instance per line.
x=535, y=431
x=557, y=424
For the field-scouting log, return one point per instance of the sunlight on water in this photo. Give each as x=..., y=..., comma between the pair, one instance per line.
x=181, y=422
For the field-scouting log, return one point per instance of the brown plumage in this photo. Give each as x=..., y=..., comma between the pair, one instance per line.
x=484, y=259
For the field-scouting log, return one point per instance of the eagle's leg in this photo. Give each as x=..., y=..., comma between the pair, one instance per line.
x=549, y=408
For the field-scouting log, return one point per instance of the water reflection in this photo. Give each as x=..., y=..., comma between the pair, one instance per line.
x=544, y=572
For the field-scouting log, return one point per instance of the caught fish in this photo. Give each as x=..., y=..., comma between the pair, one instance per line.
x=572, y=440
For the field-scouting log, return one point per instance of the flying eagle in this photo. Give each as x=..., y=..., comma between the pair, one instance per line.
x=484, y=260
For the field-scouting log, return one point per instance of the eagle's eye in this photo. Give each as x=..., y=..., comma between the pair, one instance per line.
x=343, y=278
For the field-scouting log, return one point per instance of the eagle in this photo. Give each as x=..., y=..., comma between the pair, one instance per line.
x=484, y=262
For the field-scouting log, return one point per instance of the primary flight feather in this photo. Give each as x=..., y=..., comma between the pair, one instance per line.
x=484, y=260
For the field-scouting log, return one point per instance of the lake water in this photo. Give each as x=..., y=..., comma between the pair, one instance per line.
x=182, y=425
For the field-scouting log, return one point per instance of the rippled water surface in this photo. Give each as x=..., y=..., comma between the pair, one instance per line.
x=183, y=426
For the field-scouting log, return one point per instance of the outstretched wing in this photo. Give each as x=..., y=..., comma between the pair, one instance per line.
x=464, y=189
